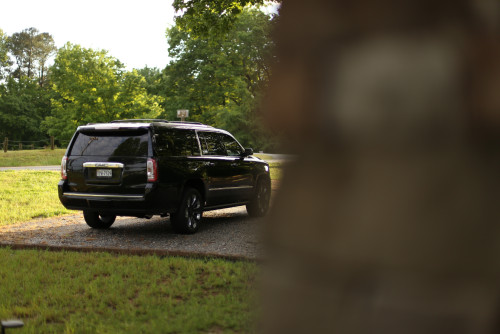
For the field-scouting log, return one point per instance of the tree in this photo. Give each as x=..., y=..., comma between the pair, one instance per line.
x=203, y=16
x=152, y=80
x=221, y=80
x=91, y=86
x=23, y=105
x=5, y=62
x=31, y=49
x=46, y=48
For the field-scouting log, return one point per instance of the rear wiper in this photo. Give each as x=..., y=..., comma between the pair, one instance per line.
x=90, y=142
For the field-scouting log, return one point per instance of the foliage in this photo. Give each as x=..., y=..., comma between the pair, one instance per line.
x=221, y=51
x=221, y=79
x=28, y=194
x=70, y=292
x=5, y=62
x=31, y=50
x=202, y=17
x=152, y=80
x=91, y=86
x=24, y=100
x=23, y=105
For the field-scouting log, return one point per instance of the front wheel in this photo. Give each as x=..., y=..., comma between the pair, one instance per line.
x=187, y=219
x=96, y=220
x=259, y=205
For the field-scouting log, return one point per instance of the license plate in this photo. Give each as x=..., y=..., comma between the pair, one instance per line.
x=104, y=173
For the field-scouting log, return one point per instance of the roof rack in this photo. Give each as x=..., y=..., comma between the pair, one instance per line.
x=139, y=120
x=155, y=120
x=181, y=122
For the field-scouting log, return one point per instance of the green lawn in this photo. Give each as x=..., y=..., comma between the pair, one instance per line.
x=68, y=292
x=45, y=157
x=28, y=194
x=263, y=156
x=275, y=169
x=48, y=157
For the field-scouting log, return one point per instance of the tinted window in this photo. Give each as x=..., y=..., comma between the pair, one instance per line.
x=211, y=143
x=111, y=144
x=177, y=142
x=233, y=148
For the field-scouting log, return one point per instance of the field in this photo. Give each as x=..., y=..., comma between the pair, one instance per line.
x=71, y=292
x=26, y=194
x=68, y=292
x=45, y=157
x=48, y=157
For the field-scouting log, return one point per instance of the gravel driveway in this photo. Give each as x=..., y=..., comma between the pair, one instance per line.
x=228, y=233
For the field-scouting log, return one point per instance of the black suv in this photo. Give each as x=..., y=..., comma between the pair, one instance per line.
x=143, y=168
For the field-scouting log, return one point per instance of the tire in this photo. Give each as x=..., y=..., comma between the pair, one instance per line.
x=259, y=206
x=188, y=218
x=96, y=220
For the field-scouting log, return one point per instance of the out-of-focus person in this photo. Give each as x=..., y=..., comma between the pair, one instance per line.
x=389, y=219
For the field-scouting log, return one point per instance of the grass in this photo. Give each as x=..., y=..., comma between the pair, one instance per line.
x=48, y=157
x=275, y=169
x=45, y=157
x=67, y=292
x=262, y=156
x=28, y=194
x=70, y=292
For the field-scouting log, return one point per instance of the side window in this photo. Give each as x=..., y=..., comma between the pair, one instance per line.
x=233, y=148
x=211, y=144
x=176, y=143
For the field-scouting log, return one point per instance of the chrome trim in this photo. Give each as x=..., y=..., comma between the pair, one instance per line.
x=102, y=196
x=103, y=164
x=231, y=188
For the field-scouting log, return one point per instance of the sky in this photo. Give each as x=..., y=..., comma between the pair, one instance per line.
x=131, y=31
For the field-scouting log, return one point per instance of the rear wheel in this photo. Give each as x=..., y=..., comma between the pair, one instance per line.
x=259, y=205
x=96, y=220
x=187, y=219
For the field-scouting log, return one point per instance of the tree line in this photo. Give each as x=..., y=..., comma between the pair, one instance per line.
x=218, y=71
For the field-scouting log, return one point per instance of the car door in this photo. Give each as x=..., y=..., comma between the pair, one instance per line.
x=241, y=168
x=223, y=172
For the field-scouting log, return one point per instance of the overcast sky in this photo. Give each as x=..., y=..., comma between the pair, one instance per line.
x=132, y=31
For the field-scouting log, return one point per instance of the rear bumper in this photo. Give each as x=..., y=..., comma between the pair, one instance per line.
x=103, y=197
x=152, y=202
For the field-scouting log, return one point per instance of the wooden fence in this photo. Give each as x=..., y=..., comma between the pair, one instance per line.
x=27, y=144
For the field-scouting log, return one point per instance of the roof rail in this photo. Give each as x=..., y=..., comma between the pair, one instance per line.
x=146, y=120
x=139, y=120
x=181, y=122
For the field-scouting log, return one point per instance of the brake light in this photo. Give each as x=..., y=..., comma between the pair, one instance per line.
x=152, y=170
x=64, y=172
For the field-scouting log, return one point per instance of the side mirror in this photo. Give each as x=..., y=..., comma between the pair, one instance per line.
x=248, y=152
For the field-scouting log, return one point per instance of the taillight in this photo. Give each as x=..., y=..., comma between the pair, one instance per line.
x=152, y=171
x=64, y=172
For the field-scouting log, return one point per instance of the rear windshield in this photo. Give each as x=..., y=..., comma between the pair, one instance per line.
x=111, y=144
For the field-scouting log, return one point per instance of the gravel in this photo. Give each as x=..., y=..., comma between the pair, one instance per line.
x=228, y=233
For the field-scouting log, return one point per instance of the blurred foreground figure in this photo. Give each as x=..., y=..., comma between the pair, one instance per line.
x=389, y=222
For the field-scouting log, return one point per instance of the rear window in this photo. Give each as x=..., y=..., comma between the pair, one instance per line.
x=111, y=144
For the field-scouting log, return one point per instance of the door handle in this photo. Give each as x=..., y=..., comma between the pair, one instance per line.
x=234, y=164
x=211, y=164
